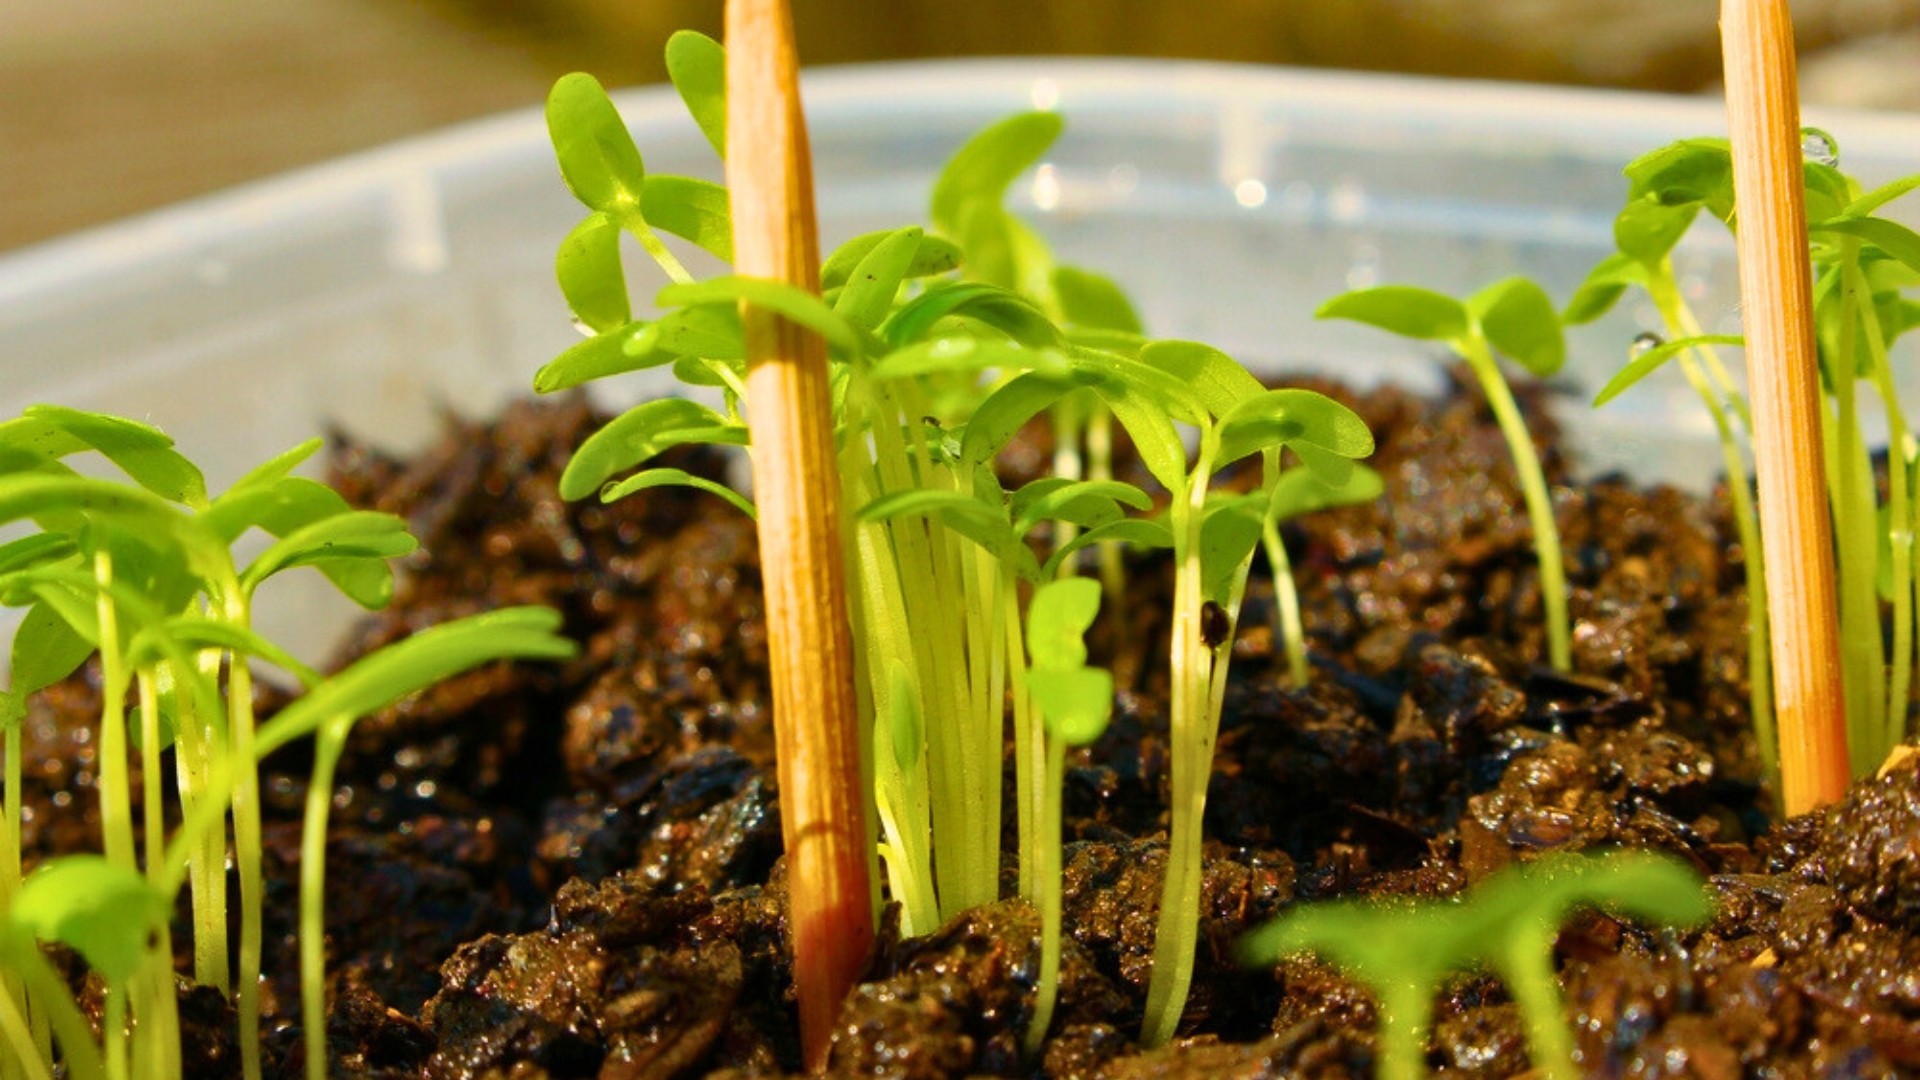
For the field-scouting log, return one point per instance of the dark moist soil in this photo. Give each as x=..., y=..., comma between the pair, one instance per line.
x=574, y=871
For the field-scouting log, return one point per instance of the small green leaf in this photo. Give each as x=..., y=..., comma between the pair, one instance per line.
x=1151, y=429
x=1603, y=287
x=1058, y=618
x=709, y=331
x=144, y=452
x=1137, y=531
x=1644, y=363
x=989, y=305
x=1898, y=241
x=665, y=477
x=1005, y=411
x=1088, y=504
x=789, y=301
x=1647, y=229
x=1075, y=705
x=1829, y=192
x=46, y=649
x=1216, y=379
x=1093, y=301
x=1520, y=320
x=106, y=913
x=640, y=433
x=414, y=663
x=1881, y=196
x=697, y=64
x=691, y=209
x=1401, y=309
x=597, y=157
x=274, y=469
x=1228, y=534
x=597, y=357
x=981, y=171
x=1689, y=171
x=354, y=535
x=874, y=282
x=964, y=514
x=1299, y=491
x=35, y=550
x=964, y=354
x=590, y=276
x=934, y=255
x=1303, y=420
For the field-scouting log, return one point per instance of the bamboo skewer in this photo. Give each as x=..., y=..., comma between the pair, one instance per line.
x=815, y=715
x=1776, y=292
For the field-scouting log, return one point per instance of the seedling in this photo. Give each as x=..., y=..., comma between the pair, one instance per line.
x=1864, y=266
x=1297, y=492
x=1516, y=318
x=1405, y=951
x=1074, y=702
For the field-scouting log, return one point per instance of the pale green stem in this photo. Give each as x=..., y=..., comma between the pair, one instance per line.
x=193, y=745
x=23, y=1061
x=116, y=796
x=1680, y=321
x=54, y=1007
x=153, y=820
x=12, y=987
x=1863, y=661
x=1533, y=486
x=1286, y=603
x=313, y=894
x=114, y=1033
x=1177, y=931
x=651, y=243
x=246, y=835
x=1031, y=790
x=1899, y=516
x=1069, y=429
x=1528, y=975
x=1048, y=990
x=1402, y=1044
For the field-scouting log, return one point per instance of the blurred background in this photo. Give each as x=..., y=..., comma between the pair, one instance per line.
x=110, y=107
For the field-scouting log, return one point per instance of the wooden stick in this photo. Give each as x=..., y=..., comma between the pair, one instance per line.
x=1776, y=293
x=796, y=489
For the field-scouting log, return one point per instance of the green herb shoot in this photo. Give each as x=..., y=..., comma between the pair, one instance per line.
x=1864, y=266
x=1514, y=317
x=1406, y=951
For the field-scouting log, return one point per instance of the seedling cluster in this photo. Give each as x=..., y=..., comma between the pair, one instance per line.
x=140, y=572
x=944, y=347
x=967, y=608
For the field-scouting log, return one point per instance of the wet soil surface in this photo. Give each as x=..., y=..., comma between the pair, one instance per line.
x=574, y=871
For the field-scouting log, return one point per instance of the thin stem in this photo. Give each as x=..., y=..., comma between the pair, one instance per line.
x=116, y=797
x=79, y=1052
x=1032, y=789
x=1533, y=486
x=246, y=834
x=651, y=243
x=1680, y=322
x=152, y=818
x=1049, y=898
x=313, y=894
x=23, y=1061
x=1899, y=510
x=1177, y=930
x=1862, y=657
x=1286, y=602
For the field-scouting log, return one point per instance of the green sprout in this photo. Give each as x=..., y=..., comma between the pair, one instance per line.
x=1517, y=318
x=1864, y=266
x=1405, y=951
x=1075, y=702
x=942, y=349
x=1298, y=492
x=141, y=573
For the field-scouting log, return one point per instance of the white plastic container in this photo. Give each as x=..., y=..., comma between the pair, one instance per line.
x=368, y=293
